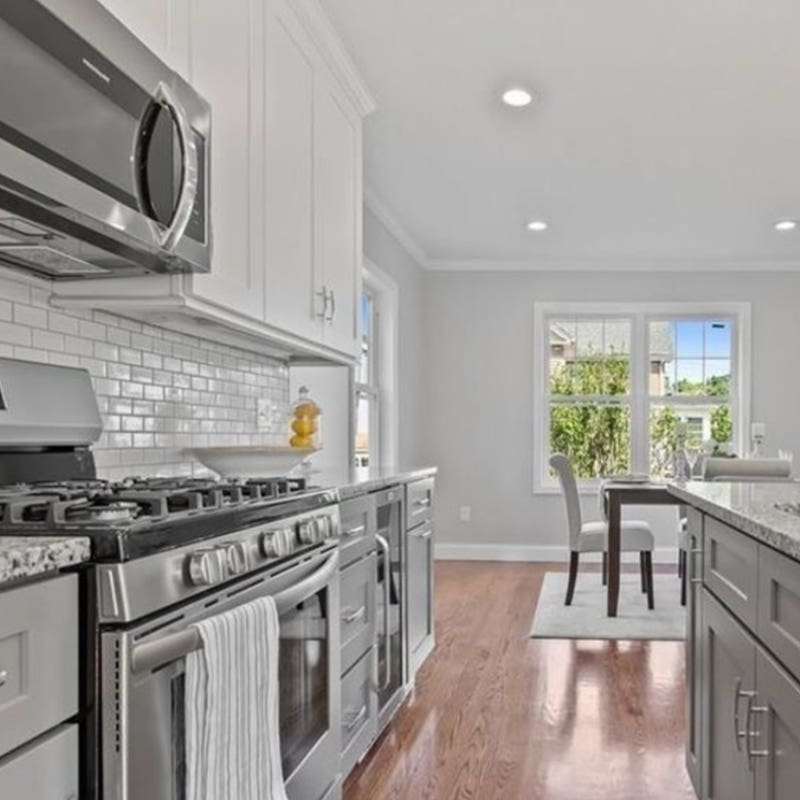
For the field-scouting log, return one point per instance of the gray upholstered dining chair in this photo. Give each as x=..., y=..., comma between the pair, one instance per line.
x=735, y=470
x=591, y=537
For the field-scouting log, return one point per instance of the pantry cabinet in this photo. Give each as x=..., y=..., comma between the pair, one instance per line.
x=286, y=176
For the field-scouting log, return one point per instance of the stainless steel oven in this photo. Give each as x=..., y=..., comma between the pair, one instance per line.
x=104, y=150
x=143, y=674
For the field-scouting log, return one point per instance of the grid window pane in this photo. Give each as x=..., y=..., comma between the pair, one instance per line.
x=597, y=438
x=363, y=419
x=704, y=423
x=689, y=376
x=718, y=377
x=718, y=340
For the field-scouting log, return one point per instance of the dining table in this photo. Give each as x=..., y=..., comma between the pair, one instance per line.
x=616, y=494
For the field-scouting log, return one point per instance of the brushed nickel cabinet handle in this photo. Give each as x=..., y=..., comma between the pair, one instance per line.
x=354, y=531
x=348, y=615
x=752, y=733
x=738, y=696
x=323, y=295
x=332, y=297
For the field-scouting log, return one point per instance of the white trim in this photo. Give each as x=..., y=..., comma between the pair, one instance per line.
x=387, y=296
x=390, y=222
x=446, y=551
x=639, y=313
x=611, y=265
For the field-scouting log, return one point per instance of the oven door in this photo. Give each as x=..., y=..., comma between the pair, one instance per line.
x=97, y=134
x=143, y=680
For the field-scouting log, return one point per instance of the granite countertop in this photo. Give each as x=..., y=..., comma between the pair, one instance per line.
x=27, y=556
x=750, y=507
x=362, y=480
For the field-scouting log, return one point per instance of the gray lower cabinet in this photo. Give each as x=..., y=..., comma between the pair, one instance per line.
x=742, y=661
x=420, y=595
x=46, y=769
x=729, y=677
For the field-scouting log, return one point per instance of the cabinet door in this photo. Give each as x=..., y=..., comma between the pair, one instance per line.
x=728, y=676
x=224, y=64
x=420, y=595
x=148, y=20
x=775, y=742
x=291, y=303
x=337, y=213
x=694, y=648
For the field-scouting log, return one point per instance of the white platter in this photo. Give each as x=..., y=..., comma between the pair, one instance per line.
x=254, y=461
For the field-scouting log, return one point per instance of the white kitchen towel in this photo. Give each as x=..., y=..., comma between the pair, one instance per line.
x=232, y=729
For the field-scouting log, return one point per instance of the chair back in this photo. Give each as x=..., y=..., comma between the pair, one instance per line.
x=747, y=469
x=566, y=477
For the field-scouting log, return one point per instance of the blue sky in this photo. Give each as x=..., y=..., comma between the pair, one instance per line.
x=696, y=341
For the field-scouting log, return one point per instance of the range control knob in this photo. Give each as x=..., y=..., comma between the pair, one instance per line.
x=325, y=527
x=237, y=557
x=206, y=567
x=308, y=531
x=278, y=543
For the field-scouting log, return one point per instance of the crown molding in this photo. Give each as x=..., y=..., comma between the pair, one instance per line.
x=390, y=222
x=334, y=54
x=613, y=265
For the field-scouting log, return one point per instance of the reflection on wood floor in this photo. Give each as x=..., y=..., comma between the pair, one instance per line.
x=499, y=715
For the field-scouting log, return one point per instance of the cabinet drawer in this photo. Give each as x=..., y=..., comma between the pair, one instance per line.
x=779, y=606
x=359, y=711
x=730, y=569
x=358, y=528
x=43, y=770
x=419, y=502
x=38, y=659
x=357, y=593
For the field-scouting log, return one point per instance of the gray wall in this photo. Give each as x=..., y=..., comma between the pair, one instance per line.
x=479, y=421
x=388, y=254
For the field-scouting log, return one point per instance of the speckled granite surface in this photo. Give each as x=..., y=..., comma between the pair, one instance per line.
x=750, y=507
x=360, y=481
x=26, y=556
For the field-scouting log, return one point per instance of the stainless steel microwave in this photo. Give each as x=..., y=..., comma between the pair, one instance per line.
x=104, y=150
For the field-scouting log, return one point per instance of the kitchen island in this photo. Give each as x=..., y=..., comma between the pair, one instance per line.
x=743, y=639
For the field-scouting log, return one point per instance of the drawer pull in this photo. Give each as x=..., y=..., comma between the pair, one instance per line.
x=426, y=534
x=349, y=616
x=354, y=719
x=354, y=531
x=422, y=502
x=3, y=677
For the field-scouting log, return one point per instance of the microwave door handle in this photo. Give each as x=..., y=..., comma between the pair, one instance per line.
x=173, y=646
x=168, y=237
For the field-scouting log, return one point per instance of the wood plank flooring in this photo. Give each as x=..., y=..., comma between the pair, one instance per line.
x=498, y=715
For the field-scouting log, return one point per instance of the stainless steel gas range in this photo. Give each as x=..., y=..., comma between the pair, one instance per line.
x=167, y=553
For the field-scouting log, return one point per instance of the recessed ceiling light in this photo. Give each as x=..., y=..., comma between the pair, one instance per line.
x=785, y=225
x=517, y=97
x=537, y=225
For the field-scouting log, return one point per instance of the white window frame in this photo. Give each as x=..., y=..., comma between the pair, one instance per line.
x=383, y=386
x=640, y=314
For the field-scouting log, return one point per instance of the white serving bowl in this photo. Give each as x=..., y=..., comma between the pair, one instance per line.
x=250, y=461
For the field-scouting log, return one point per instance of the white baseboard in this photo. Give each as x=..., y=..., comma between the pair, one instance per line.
x=524, y=552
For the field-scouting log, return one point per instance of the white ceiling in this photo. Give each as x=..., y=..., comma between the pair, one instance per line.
x=667, y=132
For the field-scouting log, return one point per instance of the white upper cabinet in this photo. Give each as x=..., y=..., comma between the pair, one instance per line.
x=225, y=52
x=337, y=214
x=286, y=185
x=289, y=175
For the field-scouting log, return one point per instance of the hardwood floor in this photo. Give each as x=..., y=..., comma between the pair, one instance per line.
x=499, y=715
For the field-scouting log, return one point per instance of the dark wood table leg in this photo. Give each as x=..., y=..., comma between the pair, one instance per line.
x=614, y=519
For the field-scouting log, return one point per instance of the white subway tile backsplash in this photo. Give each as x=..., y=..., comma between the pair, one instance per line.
x=159, y=391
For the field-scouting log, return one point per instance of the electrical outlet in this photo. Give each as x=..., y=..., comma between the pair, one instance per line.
x=465, y=513
x=264, y=414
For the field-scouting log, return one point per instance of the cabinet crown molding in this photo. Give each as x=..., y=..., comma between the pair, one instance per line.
x=334, y=53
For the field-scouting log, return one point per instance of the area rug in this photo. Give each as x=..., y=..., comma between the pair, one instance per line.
x=586, y=617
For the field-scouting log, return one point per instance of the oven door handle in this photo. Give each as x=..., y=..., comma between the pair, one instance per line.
x=152, y=655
